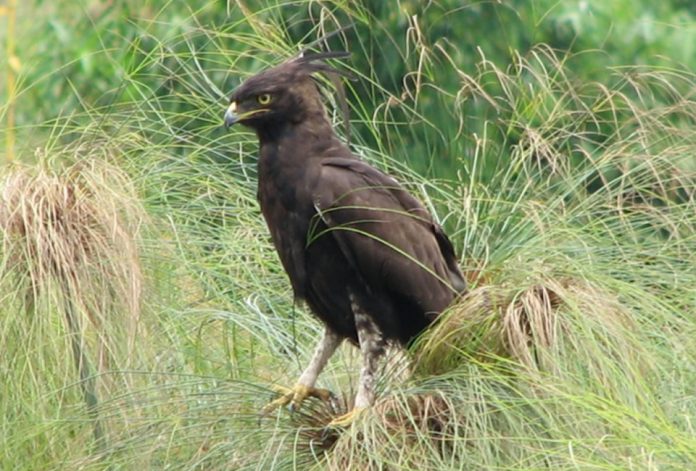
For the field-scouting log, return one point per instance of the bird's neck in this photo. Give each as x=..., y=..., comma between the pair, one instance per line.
x=292, y=151
x=312, y=130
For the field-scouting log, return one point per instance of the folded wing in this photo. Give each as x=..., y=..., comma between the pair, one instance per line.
x=387, y=236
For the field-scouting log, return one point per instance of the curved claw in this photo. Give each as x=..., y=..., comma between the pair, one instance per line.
x=347, y=419
x=295, y=396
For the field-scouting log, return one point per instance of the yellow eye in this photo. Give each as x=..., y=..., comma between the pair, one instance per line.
x=264, y=99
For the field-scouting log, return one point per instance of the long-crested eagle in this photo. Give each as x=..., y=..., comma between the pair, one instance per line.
x=364, y=254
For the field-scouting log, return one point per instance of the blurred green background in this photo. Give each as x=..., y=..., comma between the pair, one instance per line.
x=89, y=55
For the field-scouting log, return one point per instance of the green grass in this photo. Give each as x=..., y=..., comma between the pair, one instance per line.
x=573, y=210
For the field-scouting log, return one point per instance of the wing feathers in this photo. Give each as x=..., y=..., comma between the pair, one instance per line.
x=386, y=234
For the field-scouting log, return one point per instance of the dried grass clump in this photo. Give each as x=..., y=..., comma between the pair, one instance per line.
x=540, y=327
x=428, y=413
x=74, y=230
x=530, y=321
x=71, y=274
x=400, y=432
x=470, y=330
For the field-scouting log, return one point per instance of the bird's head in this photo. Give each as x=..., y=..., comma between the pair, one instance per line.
x=283, y=94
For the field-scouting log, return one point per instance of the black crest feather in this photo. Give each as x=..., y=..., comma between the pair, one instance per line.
x=307, y=57
x=314, y=62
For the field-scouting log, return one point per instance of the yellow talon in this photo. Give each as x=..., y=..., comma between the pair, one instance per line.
x=347, y=419
x=295, y=396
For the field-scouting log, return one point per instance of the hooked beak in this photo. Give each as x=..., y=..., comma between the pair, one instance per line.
x=231, y=115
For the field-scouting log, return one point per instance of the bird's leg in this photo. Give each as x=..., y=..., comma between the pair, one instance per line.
x=372, y=348
x=304, y=387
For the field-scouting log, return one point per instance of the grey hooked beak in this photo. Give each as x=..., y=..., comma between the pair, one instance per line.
x=231, y=116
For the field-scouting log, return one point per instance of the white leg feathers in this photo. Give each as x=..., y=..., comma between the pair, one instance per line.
x=324, y=350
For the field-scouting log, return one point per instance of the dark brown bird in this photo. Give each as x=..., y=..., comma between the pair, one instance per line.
x=363, y=253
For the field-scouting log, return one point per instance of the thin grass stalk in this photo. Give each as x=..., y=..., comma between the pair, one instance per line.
x=84, y=368
x=12, y=68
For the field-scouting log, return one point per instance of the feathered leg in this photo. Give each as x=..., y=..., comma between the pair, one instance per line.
x=305, y=385
x=372, y=347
